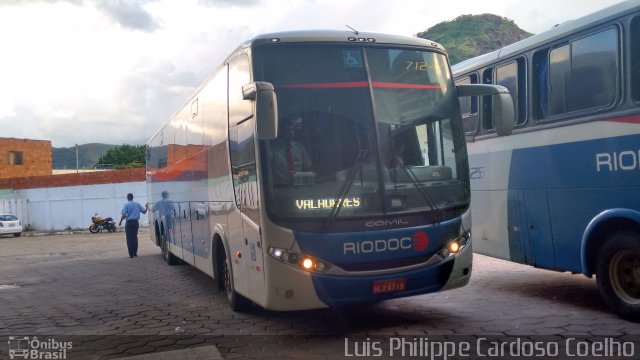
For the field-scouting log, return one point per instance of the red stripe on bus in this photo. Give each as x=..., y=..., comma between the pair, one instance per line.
x=360, y=84
x=335, y=85
x=387, y=85
x=632, y=119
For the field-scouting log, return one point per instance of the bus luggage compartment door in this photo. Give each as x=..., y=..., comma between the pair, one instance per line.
x=529, y=228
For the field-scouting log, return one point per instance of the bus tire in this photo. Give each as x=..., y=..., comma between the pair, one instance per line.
x=237, y=302
x=166, y=254
x=618, y=274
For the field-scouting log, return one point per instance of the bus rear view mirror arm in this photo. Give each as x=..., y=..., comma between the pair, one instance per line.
x=266, y=108
x=502, y=105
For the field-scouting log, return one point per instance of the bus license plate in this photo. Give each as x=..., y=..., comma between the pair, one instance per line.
x=389, y=286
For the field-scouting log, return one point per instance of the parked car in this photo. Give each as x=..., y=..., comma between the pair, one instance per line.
x=10, y=224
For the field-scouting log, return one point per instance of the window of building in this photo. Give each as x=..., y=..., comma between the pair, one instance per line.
x=15, y=157
x=635, y=58
x=582, y=74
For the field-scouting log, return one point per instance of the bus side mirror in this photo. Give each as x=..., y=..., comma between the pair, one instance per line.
x=501, y=104
x=266, y=108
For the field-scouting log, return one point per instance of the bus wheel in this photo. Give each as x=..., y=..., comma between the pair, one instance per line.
x=236, y=301
x=618, y=274
x=166, y=254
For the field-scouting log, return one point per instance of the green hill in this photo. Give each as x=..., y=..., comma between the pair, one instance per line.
x=88, y=155
x=472, y=35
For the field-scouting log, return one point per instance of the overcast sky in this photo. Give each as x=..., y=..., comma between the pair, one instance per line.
x=113, y=71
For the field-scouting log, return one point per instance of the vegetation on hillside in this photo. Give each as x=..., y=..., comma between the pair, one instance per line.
x=472, y=35
x=124, y=156
x=88, y=155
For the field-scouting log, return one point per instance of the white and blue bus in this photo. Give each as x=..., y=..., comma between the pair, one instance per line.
x=318, y=169
x=563, y=191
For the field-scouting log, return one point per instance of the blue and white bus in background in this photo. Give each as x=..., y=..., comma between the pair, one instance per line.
x=320, y=168
x=563, y=191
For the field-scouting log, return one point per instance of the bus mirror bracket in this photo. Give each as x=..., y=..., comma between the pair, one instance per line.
x=501, y=104
x=266, y=108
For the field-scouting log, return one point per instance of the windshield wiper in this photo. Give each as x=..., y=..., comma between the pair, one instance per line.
x=412, y=176
x=335, y=210
x=418, y=185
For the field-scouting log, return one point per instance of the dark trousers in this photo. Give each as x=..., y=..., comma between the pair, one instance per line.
x=131, y=231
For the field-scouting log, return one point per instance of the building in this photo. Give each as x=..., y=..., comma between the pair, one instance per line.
x=24, y=158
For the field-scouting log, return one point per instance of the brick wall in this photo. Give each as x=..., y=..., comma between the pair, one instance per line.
x=87, y=178
x=35, y=157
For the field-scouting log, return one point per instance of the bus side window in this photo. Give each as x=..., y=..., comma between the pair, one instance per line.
x=512, y=76
x=635, y=58
x=487, y=116
x=541, y=84
x=594, y=71
x=584, y=73
x=469, y=106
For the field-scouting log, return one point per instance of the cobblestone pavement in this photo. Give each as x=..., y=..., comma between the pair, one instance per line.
x=84, y=288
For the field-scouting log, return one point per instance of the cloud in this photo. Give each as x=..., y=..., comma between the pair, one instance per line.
x=26, y=2
x=128, y=14
x=230, y=3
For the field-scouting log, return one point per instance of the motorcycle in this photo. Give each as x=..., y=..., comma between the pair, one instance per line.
x=99, y=223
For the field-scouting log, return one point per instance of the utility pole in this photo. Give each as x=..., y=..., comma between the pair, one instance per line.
x=77, y=167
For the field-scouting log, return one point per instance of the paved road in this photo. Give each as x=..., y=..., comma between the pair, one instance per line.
x=84, y=288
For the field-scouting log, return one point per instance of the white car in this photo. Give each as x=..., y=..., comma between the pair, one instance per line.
x=9, y=224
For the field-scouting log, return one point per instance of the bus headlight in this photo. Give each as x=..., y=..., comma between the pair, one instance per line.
x=454, y=246
x=301, y=261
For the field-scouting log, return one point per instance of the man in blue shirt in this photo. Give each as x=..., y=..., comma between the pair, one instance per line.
x=131, y=211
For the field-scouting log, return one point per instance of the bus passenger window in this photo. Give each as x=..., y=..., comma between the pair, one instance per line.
x=541, y=84
x=487, y=116
x=583, y=74
x=469, y=106
x=512, y=77
x=635, y=58
x=559, y=72
x=594, y=71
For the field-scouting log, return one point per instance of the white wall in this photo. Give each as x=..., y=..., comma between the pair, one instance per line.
x=71, y=207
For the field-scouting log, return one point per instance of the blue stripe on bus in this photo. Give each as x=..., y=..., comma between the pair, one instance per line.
x=550, y=210
x=335, y=247
x=579, y=164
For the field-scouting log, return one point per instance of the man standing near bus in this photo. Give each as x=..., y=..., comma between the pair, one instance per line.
x=131, y=212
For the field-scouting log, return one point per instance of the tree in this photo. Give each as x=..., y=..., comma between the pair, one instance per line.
x=124, y=156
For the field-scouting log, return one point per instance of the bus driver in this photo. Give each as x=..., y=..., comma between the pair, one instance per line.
x=288, y=157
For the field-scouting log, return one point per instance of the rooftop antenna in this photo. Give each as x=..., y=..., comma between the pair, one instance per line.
x=352, y=29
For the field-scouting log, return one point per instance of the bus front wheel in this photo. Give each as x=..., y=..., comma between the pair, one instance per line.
x=618, y=274
x=237, y=302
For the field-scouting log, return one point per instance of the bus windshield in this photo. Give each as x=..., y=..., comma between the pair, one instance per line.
x=366, y=131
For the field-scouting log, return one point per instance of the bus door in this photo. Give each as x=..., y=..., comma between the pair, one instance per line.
x=252, y=239
x=529, y=228
x=246, y=245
